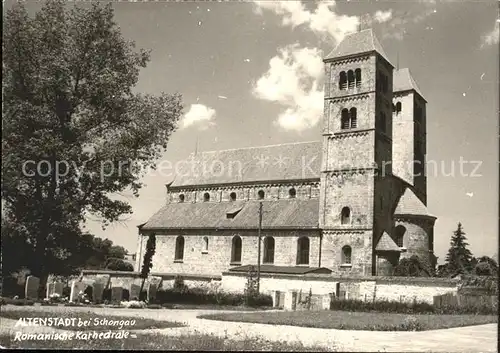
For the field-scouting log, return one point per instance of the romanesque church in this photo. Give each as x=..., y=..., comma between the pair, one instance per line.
x=353, y=202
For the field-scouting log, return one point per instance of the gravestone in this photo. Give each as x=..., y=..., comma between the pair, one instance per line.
x=76, y=288
x=97, y=292
x=326, y=301
x=31, y=288
x=151, y=292
x=290, y=300
x=54, y=288
x=276, y=298
x=116, y=294
x=58, y=288
x=134, y=291
x=50, y=289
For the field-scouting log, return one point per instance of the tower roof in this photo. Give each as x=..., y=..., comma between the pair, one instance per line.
x=410, y=204
x=386, y=243
x=358, y=43
x=403, y=81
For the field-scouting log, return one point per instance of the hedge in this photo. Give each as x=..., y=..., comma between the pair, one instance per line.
x=408, y=308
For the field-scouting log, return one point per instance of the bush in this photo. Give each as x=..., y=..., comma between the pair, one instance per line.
x=385, y=306
x=18, y=302
x=179, y=284
x=202, y=296
x=381, y=306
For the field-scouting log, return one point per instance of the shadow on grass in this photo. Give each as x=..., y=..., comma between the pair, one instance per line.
x=96, y=322
x=195, y=342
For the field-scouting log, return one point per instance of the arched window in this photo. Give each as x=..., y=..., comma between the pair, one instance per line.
x=205, y=244
x=179, y=248
x=232, y=196
x=399, y=106
x=383, y=122
x=346, y=255
x=357, y=73
x=350, y=78
x=181, y=198
x=353, y=114
x=292, y=193
x=399, y=233
x=345, y=216
x=268, y=250
x=343, y=80
x=236, y=250
x=261, y=194
x=303, y=251
x=345, y=119
x=206, y=197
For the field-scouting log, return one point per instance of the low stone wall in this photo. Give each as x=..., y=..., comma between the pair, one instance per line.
x=418, y=289
x=125, y=279
x=362, y=288
x=319, y=284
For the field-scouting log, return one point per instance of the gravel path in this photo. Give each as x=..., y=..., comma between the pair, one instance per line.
x=481, y=338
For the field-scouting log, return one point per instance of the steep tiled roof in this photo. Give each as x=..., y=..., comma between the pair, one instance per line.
x=403, y=81
x=387, y=244
x=284, y=214
x=358, y=43
x=409, y=204
x=282, y=269
x=265, y=163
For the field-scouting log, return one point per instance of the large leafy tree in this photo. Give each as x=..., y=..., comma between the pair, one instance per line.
x=459, y=259
x=73, y=131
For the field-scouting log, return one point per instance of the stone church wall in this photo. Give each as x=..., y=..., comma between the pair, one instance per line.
x=218, y=257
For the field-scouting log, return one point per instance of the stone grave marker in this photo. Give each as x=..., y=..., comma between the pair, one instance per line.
x=97, y=292
x=31, y=288
x=116, y=294
x=134, y=291
x=76, y=288
x=151, y=292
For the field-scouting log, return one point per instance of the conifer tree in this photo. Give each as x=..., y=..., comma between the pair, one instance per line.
x=459, y=258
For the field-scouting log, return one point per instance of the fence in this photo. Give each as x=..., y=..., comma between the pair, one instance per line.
x=464, y=300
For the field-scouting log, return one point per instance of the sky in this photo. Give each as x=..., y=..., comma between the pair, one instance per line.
x=251, y=74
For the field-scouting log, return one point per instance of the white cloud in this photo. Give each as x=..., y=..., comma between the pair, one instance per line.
x=294, y=75
x=491, y=38
x=382, y=16
x=292, y=80
x=198, y=114
x=324, y=19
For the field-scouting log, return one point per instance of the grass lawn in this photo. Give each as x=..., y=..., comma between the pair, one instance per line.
x=97, y=322
x=161, y=342
x=368, y=321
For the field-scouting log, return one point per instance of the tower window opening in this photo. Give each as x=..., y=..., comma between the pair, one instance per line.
x=345, y=216
x=232, y=196
x=350, y=78
x=357, y=73
x=353, y=114
x=181, y=198
x=206, y=197
x=347, y=255
x=292, y=193
x=399, y=106
x=343, y=81
x=261, y=194
x=345, y=123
